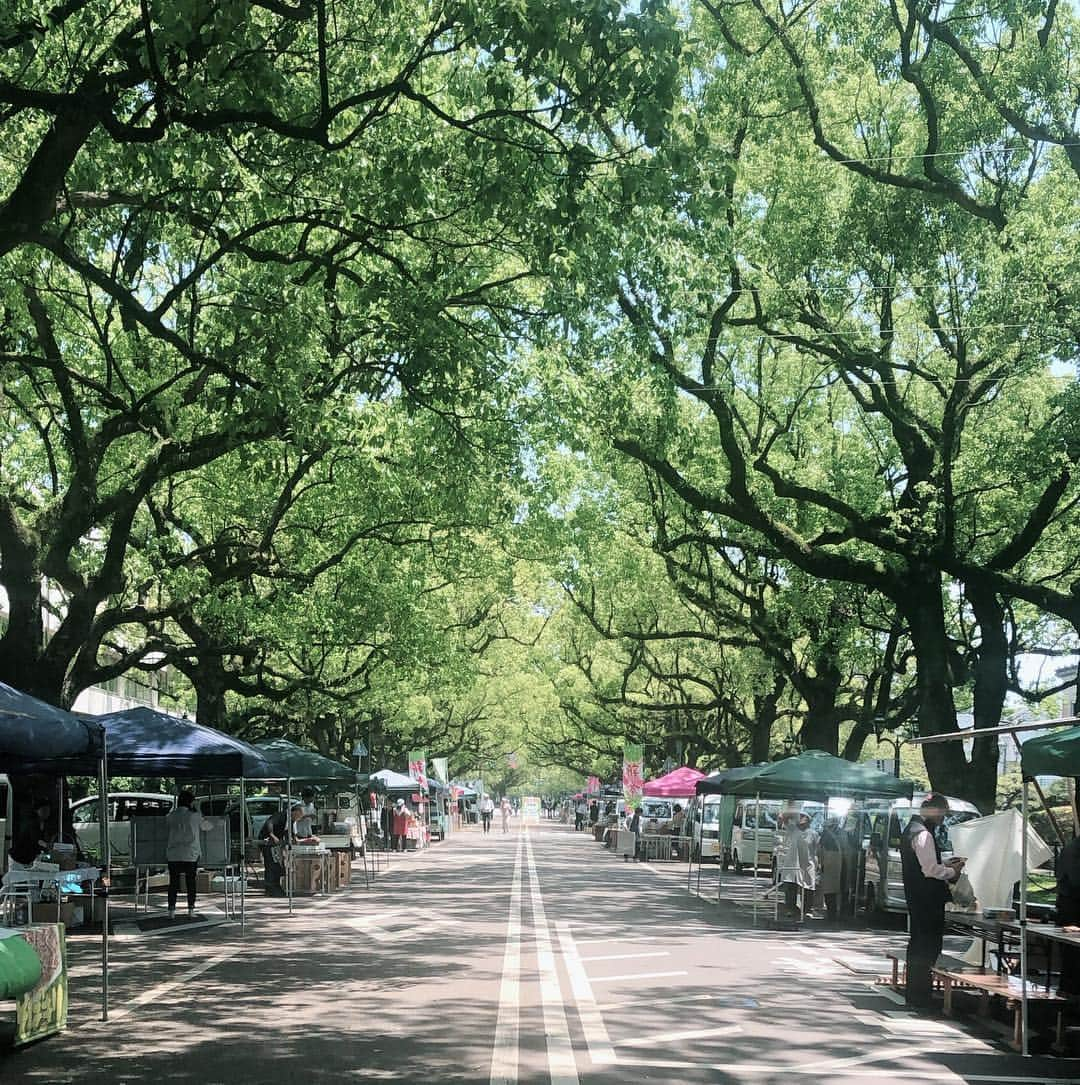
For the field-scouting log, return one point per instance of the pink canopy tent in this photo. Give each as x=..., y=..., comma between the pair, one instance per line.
x=677, y=784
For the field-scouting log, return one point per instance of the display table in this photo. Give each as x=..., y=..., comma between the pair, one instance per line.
x=42, y=911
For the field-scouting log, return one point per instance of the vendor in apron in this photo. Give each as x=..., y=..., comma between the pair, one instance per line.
x=274, y=838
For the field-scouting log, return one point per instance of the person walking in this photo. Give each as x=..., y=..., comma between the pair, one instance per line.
x=926, y=888
x=183, y=849
x=487, y=808
x=580, y=810
x=505, y=810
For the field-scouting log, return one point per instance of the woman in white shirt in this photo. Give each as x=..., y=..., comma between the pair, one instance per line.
x=183, y=849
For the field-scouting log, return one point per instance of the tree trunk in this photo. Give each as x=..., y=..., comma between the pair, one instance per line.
x=821, y=725
x=991, y=686
x=923, y=608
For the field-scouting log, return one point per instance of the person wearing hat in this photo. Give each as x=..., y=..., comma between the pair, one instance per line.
x=399, y=824
x=275, y=835
x=926, y=889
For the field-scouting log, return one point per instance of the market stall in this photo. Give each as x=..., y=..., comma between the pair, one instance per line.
x=328, y=865
x=1053, y=754
x=811, y=776
x=398, y=785
x=39, y=738
x=146, y=742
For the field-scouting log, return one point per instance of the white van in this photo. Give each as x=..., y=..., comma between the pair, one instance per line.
x=878, y=827
x=123, y=806
x=701, y=826
x=655, y=813
x=753, y=842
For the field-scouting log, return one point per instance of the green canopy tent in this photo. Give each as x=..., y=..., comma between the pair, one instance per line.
x=1054, y=754
x=813, y=776
x=295, y=764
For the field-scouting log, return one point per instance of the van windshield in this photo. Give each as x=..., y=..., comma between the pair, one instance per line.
x=653, y=808
x=768, y=817
x=711, y=813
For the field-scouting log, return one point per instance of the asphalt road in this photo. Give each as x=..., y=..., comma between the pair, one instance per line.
x=530, y=957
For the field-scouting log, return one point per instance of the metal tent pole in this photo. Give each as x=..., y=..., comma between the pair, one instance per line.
x=286, y=852
x=106, y=856
x=243, y=853
x=757, y=830
x=1023, y=923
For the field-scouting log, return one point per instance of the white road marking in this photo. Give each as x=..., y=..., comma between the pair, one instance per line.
x=161, y=989
x=677, y=1037
x=504, y=1056
x=627, y=956
x=636, y=976
x=562, y=1065
x=592, y=1021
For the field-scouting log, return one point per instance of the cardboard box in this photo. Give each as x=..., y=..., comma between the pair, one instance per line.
x=44, y=911
x=344, y=868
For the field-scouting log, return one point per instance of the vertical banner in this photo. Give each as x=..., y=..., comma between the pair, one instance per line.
x=593, y=786
x=633, y=779
x=418, y=770
x=439, y=766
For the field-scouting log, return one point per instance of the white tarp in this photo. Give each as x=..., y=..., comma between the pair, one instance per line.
x=992, y=846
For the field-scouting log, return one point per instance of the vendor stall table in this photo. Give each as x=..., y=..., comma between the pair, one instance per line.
x=28, y=882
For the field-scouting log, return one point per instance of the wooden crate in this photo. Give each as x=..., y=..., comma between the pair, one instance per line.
x=308, y=875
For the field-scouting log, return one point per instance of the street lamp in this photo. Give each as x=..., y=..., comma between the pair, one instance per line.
x=890, y=739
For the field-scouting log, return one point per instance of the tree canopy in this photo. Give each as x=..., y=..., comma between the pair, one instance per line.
x=520, y=379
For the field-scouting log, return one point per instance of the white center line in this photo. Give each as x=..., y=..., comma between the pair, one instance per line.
x=562, y=1066
x=592, y=1021
x=504, y=1056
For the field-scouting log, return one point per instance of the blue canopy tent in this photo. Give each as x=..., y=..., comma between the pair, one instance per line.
x=146, y=742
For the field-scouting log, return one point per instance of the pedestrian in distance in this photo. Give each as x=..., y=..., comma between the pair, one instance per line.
x=399, y=825
x=635, y=828
x=926, y=888
x=487, y=810
x=505, y=809
x=580, y=810
x=183, y=849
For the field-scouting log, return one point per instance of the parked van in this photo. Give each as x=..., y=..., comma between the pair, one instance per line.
x=123, y=806
x=753, y=833
x=706, y=826
x=879, y=827
x=656, y=812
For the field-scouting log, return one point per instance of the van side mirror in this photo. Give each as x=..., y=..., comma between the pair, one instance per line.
x=875, y=840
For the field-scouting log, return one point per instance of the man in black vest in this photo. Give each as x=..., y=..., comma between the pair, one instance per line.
x=926, y=888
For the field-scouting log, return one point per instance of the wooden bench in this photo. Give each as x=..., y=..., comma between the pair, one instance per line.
x=989, y=984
